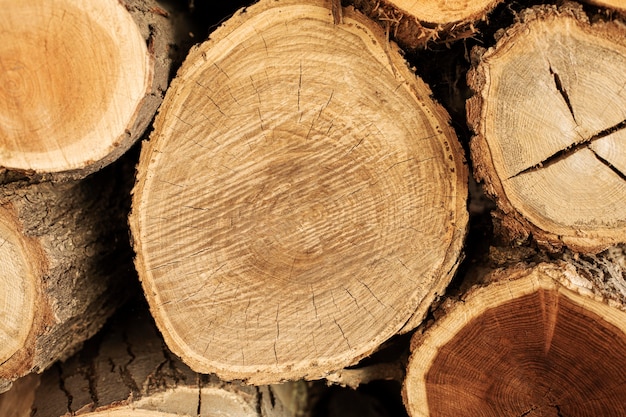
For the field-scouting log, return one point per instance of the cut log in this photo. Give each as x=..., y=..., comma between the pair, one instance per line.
x=618, y=5
x=301, y=199
x=126, y=371
x=416, y=23
x=65, y=259
x=79, y=83
x=550, y=121
x=536, y=341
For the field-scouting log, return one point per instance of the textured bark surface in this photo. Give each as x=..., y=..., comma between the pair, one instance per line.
x=548, y=145
x=126, y=370
x=527, y=340
x=266, y=249
x=67, y=265
x=82, y=82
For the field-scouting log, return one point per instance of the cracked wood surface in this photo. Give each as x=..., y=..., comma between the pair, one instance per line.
x=301, y=200
x=80, y=82
x=550, y=128
x=529, y=340
x=126, y=370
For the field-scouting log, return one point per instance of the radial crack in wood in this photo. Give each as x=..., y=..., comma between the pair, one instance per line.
x=535, y=341
x=301, y=200
x=549, y=123
x=79, y=82
x=583, y=144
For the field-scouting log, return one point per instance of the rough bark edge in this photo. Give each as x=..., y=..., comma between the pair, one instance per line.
x=157, y=28
x=459, y=166
x=155, y=21
x=509, y=223
x=23, y=360
x=600, y=276
x=77, y=233
x=413, y=34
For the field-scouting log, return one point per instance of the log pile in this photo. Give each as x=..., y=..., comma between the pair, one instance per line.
x=303, y=228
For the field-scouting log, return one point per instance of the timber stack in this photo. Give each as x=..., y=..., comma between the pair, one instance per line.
x=305, y=210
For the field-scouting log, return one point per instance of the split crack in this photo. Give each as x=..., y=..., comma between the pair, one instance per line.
x=63, y=389
x=199, y=408
x=563, y=92
x=564, y=153
x=125, y=373
x=609, y=165
x=585, y=143
x=534, y=408
x=277, y=334
x=345, y=338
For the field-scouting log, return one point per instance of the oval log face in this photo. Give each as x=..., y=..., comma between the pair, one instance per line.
x=524, y=347
x=446, y=11
x=551, y=127
x=301, y=198
x=71, y=80
x=17, y=286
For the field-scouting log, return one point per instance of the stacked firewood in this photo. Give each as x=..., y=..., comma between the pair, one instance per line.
x=216, y=229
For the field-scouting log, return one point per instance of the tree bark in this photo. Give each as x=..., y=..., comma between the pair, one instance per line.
x=66, y=265
x=126, y=370
x=298, y=170
x=528, y=340
x=81, y=82
x=416, y=24
x=549, y=120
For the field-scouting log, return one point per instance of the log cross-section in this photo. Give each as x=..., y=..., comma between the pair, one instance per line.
x=550, y=122
x=301, y=200
x=79, y=81
x=534, y=342
x=414, y=24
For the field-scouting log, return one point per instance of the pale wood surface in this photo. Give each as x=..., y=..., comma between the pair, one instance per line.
x=445, y=11
x=301, y=200
x=549, y=117
x=81, y=81
x=417, y=24
x=619, y=5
